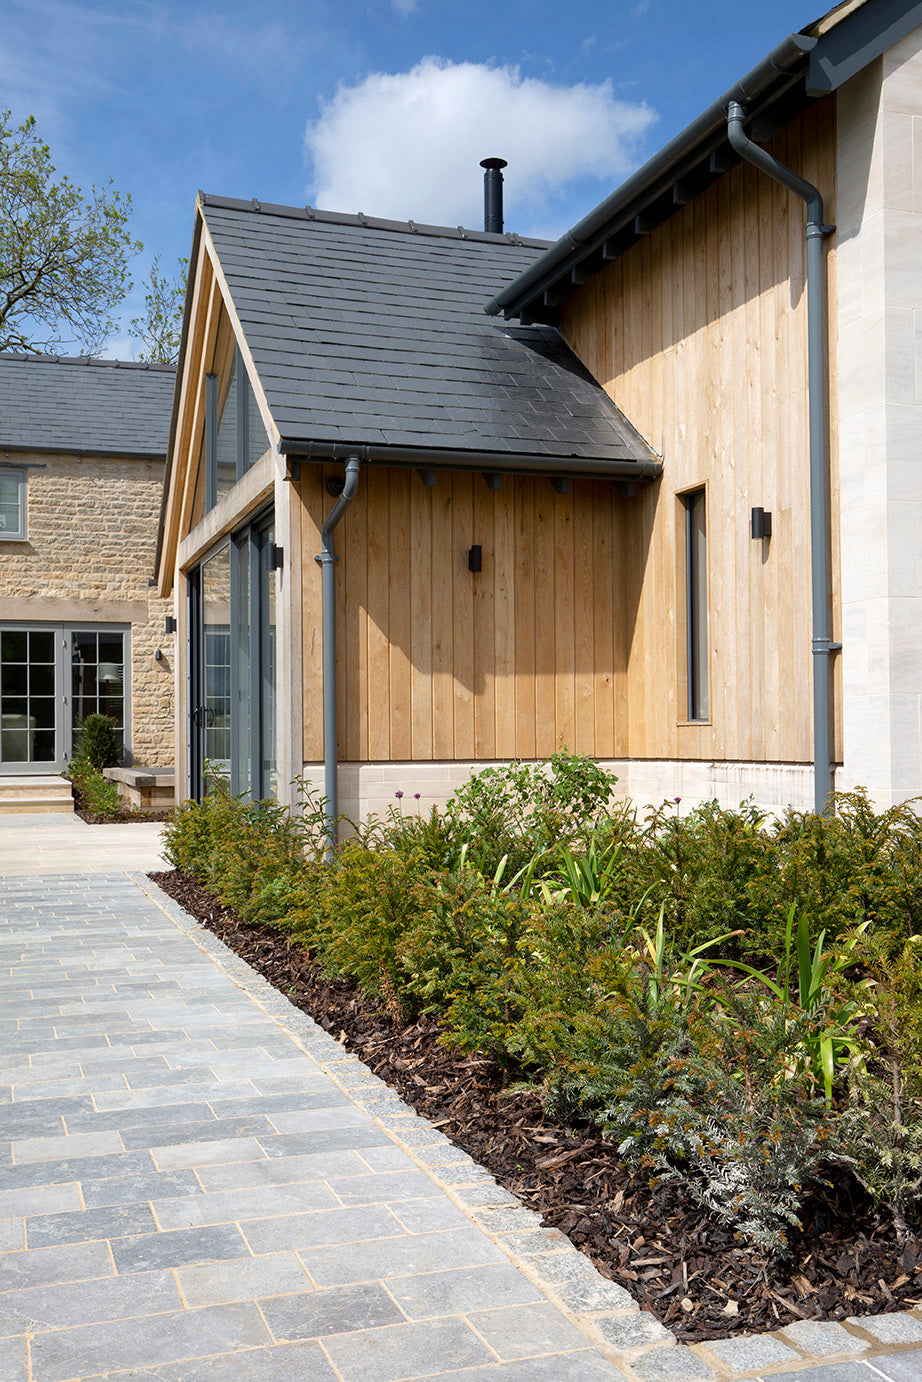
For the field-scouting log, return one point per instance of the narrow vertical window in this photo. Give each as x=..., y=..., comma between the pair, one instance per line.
x=211, y=441
x=696, y=604
x=12, y=504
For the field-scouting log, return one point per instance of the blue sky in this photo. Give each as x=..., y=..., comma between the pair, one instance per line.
x=384, y=106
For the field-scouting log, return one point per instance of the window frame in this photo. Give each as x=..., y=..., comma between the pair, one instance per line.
x=697, y=651
x=241, y=426
x=21, y=474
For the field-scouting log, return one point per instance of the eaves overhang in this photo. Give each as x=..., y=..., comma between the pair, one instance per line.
x=487, y=462
x=805, y=66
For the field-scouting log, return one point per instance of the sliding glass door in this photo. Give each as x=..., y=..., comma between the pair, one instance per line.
x=232, y=665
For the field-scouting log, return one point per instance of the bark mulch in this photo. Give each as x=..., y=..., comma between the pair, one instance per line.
x=126, y=817
x=653, y=1240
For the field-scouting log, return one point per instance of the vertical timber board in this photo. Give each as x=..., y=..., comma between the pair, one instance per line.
x=602, y=562
x=399, y=613
x=462, y=581
x=545, y=501
x=565, y=643
x=583, y=621
x=526, y=598
x=484, y=508
x=504, y=625
x=445, y=579
x=420, y=576
x=378, y=689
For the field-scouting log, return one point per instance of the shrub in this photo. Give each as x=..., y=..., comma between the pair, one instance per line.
x=95, y=794
x=97, y=742
x=525, y=809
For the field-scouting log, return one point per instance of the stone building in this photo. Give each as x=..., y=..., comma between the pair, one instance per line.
x=82, y=449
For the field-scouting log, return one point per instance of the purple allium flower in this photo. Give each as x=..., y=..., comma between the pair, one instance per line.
x=676, y=800
x=398, y=795
x=416, y=796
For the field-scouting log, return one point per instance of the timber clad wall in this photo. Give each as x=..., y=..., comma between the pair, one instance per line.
x=698, y=333
x=438, y=663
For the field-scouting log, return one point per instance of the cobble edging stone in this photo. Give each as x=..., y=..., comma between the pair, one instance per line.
x=607, y=1315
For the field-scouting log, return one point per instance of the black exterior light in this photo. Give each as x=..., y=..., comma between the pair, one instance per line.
x=475, y=559
x=170, y=624
x=760, y=523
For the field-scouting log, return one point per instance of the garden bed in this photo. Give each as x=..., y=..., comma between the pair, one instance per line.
x=653, y=1239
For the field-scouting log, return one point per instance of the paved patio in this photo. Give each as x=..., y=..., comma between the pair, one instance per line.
x=200, y=1185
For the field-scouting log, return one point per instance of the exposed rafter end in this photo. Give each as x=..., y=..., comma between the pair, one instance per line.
x=627, y=488
x=427, y=475
x=643, y=225
x=292, y=469
x=560, y=483
x=492, y=479
x=722, y=159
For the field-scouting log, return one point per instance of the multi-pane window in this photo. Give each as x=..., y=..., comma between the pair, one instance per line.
x=98, y=677
x=27, y=696
x=12, y=504
x=696, y=604
x=235, y=437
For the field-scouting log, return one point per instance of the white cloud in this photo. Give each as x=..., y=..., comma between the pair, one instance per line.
x=408, y=144
x=405, y=7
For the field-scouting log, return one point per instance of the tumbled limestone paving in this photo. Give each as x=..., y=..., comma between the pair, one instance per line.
x=199, y=1183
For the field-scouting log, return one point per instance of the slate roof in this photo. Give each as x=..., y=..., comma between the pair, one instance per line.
x=96, y=407
x=369, y=333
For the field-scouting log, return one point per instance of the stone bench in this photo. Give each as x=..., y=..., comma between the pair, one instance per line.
x=146, y=789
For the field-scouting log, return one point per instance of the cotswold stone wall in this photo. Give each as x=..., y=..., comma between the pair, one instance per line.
x=88, y=554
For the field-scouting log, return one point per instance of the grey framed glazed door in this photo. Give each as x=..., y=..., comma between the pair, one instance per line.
x=32, y=700
x=51, y=677
x=231, y=658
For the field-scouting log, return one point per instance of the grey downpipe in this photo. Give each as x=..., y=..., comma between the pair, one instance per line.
x=328, y=560
x=823, y=648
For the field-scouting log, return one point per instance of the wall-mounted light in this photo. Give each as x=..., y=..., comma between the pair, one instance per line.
x=170, y=624
x=158, y=656
x=276, y=558
x=475, y=559
x=760, y=524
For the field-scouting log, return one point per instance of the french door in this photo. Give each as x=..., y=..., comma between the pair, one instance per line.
x=51, y=677
x=232, y=621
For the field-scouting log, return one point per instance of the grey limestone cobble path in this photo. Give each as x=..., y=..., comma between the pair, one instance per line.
x=197, y=1183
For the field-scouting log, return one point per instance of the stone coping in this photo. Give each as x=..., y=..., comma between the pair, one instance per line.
x=642, y=1348
x=141, y=776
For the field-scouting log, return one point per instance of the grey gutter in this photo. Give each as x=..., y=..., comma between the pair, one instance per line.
x=817, y=373
x=327, y=560
x=655, y=177
x=499, y=462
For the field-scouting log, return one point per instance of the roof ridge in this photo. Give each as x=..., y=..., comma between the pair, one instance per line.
x=26, y=358
x=360, y=220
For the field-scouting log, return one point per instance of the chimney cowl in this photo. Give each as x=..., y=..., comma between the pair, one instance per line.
x=493, y=194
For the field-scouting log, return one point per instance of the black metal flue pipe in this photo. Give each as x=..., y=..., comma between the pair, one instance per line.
x=493, y=194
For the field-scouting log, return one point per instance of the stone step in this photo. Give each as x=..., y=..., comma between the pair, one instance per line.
x=38, y=795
